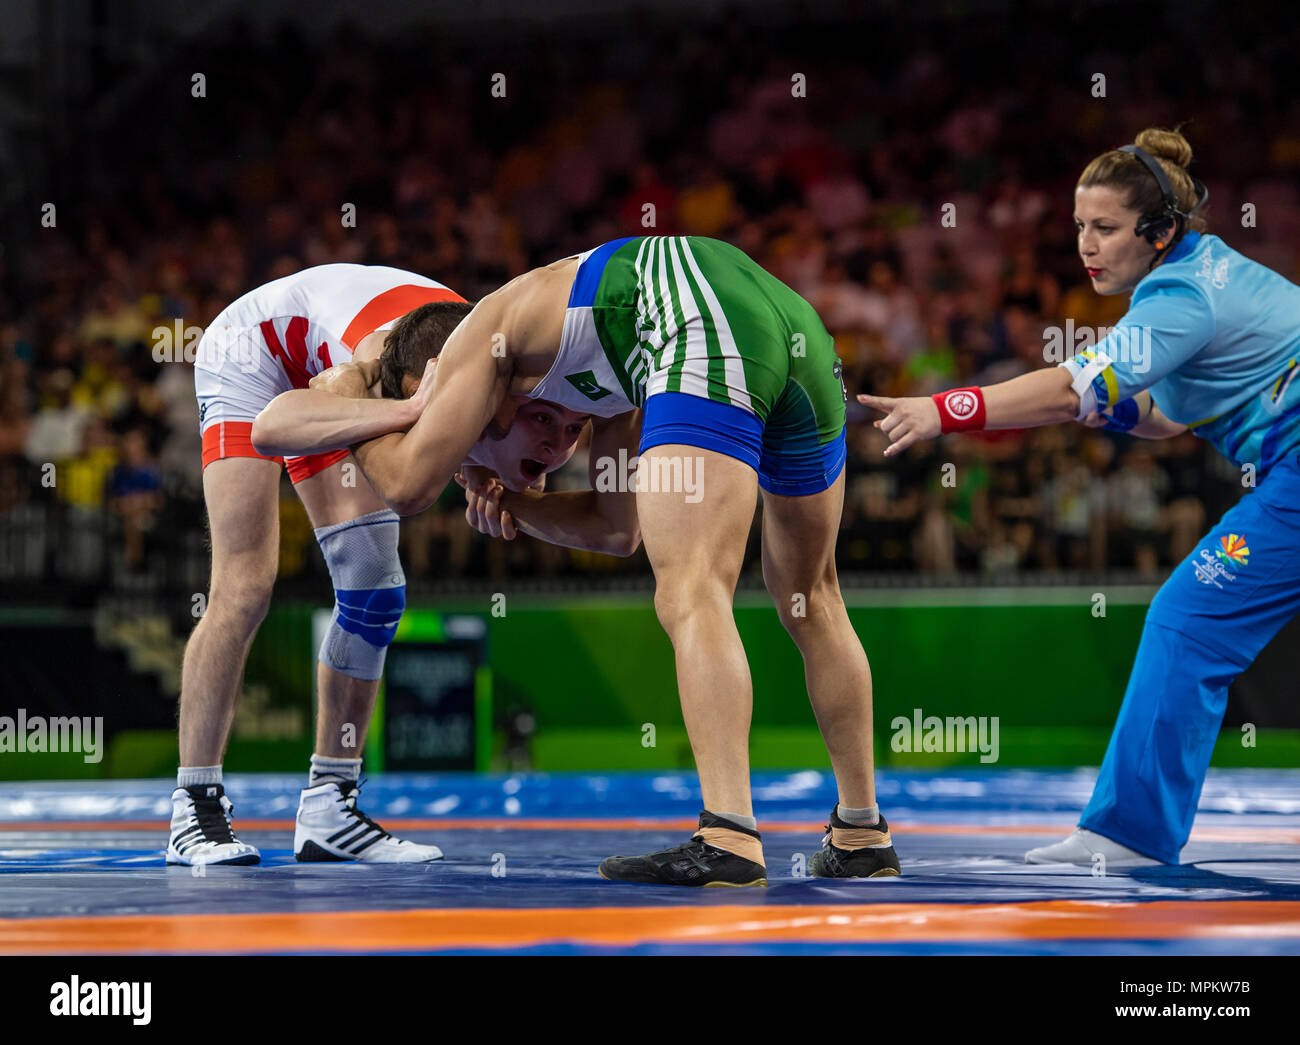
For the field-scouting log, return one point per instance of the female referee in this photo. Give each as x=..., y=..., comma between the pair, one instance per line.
x=1210, y=343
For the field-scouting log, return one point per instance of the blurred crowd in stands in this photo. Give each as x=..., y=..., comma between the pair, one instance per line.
x=912, y=180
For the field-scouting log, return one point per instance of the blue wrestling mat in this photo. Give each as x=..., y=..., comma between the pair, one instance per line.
x=83, y=871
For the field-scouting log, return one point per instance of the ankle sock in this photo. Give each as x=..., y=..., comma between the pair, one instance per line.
x=326, y=770
x=192, y=776
x=747, y=822
x=867, y=816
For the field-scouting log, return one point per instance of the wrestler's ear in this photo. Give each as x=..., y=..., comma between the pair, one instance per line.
x=370, y=371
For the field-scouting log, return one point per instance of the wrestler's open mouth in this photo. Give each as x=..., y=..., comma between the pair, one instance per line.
x=532, y=469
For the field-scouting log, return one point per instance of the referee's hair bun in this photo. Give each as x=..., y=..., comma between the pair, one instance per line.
x=1165, y=145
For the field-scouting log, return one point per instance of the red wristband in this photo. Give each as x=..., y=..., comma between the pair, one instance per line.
x=960, y=410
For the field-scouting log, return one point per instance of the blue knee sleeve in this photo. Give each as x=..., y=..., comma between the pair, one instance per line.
x=369, y=593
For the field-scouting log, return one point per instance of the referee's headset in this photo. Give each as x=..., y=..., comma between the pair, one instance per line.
x=1165, y=227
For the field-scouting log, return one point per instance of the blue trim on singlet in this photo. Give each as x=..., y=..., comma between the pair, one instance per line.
x=798, y=467
x=788, y=461
x=677, y=417
x=587, y=280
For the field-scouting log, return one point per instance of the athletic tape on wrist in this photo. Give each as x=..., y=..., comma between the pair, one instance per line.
x=1085, y=374
x=960, y=410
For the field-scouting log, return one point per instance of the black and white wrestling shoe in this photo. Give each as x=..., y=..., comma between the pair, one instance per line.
x=201, y=831
x=330, y=827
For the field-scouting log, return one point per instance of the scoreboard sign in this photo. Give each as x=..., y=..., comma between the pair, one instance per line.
x=434, y=711
x=429, y=712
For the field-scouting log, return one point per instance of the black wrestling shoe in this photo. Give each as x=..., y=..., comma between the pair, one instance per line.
x=695, y=863
x=872, y=862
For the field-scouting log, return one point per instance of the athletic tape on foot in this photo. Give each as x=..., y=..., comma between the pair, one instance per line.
x=860, y=838
x=733, y=842
x=369, y=593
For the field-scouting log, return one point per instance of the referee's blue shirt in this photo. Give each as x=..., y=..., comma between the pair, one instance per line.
x=1215, y=337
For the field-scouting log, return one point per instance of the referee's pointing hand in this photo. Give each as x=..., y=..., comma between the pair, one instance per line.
x=907, y=421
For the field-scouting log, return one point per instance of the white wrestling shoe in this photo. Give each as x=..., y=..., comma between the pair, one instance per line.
x=330, y=827
x=201, y=832
x=1083, y=846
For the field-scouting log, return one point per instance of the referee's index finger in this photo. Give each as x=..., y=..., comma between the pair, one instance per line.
x=879, y=402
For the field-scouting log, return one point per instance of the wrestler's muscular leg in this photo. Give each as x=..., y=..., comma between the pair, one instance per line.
x=696, y=551
x=241, y=494
x=343, y=701
x=358, y=536
x=799, y=536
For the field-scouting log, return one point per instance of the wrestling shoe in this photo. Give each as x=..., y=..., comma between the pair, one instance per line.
x=201, y=832
x=330, y=827
x=1083, y=846
x=872, y=856
x=694, y=863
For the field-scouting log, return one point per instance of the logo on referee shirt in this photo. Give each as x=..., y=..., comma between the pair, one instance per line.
x=1222, y=563
x=1215, y=272
x=587, y=384
x=1232, y=550
x=960, y=405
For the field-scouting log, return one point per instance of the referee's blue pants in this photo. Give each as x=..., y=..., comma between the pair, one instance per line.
x=1209, y=621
